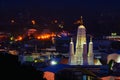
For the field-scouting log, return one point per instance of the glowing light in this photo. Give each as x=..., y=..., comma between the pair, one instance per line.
x=13, y=52
x=12, y=21
x=61, y=26
x=55, y=21
x=53, y=35
x=38, y=37
x=118, y=59
x=19, y=38
x=53, y=62
x=11, y=38
x=35, y=61
x=45, y=36
x=113, y=34
x=33, y=22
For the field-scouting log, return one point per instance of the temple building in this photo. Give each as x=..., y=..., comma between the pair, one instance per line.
x=80, y=56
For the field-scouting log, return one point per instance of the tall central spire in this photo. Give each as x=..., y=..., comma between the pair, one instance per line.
x=81, y=40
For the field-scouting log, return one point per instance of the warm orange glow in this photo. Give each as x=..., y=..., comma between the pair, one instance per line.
x=33, y=22
x=38, y=37
x=53, y=35
x=49, y=75
x=13, y=52
x=19, y=38
x=46, y=36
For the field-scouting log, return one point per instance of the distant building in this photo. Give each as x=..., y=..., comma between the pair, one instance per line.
x=113, y=37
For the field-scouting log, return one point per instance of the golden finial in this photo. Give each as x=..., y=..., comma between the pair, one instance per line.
x=81, y=20
x=91, y=38
x=71, y=39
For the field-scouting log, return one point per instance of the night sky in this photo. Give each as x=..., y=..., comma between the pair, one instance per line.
x=97, y=14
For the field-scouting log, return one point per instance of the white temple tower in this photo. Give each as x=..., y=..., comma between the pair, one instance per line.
x=71, y=53
x=90, y=53
x=81, y=40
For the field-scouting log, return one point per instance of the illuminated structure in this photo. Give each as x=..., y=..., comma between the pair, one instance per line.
x=81, y=56
x=81, y=44
x=90, y=53
x=113, y=37
x=71, y=55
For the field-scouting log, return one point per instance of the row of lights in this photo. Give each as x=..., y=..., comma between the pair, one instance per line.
x=39, y=37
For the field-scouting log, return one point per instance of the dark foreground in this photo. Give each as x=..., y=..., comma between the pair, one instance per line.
x=11, y=69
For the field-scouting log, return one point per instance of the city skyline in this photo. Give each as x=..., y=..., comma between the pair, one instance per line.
x=96, y=14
